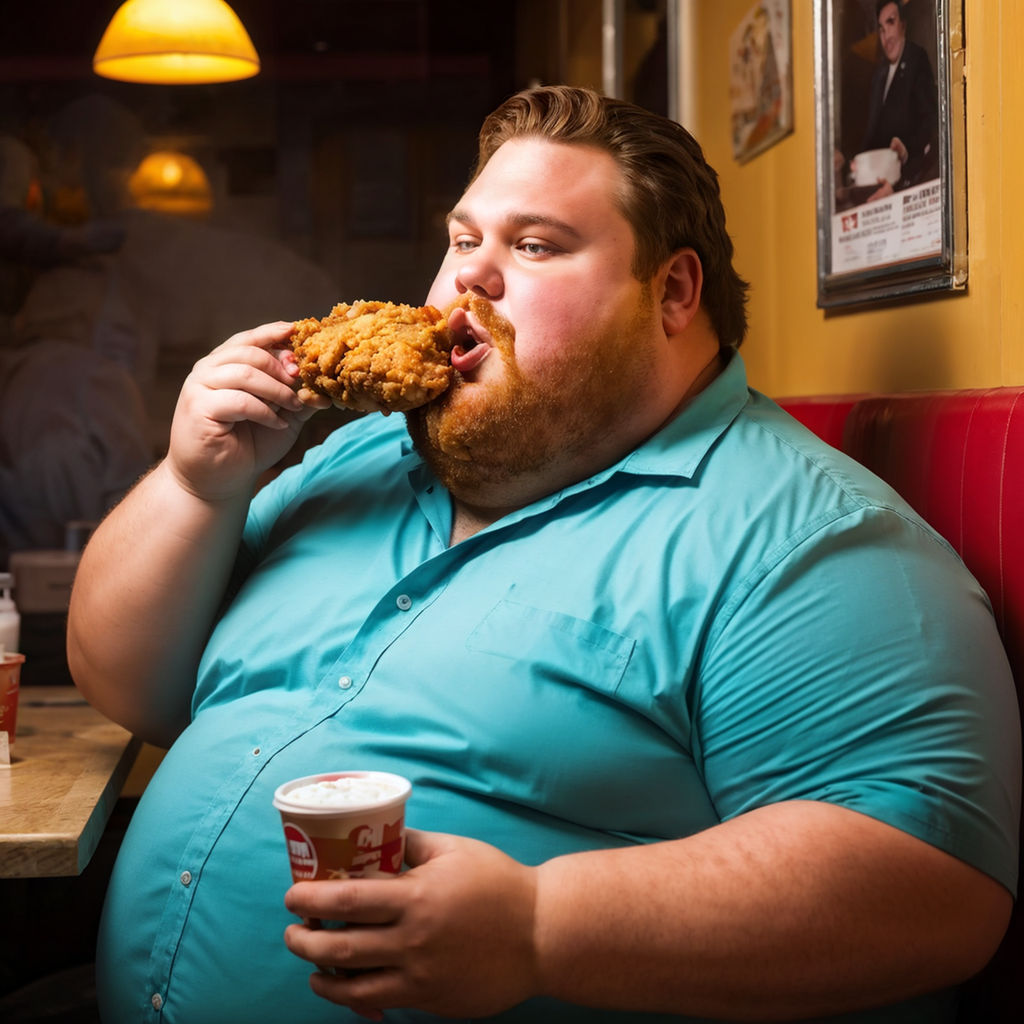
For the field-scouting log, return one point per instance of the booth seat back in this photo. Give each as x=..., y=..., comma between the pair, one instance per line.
x=958, y=458
x=824, y=414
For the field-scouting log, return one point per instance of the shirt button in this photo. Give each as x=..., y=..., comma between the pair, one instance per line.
x=345, y=682
x=404, y=602
x=185, y=878
x=255, y=751
x=156, y=1000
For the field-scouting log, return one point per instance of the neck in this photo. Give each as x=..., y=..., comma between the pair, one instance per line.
x=467, y=520
x=711, y=369
x=472, y=516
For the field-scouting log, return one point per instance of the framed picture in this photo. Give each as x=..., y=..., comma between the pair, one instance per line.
x=761, y=78
x=891, y=161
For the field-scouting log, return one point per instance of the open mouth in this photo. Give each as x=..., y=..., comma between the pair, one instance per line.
x=472, y=343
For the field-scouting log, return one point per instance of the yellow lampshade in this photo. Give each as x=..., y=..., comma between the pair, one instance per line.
x=171, y=183
x=175, y=42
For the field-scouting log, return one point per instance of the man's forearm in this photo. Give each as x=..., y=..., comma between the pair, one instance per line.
x=792, y=910
x=145, y=595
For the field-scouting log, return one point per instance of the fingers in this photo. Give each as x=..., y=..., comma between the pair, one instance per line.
x=251, y=377
x=264, y=336
x=313, y=399
x=256, y=374
x=421, y=846
x=360, y=992
x=353, y=969
x=453, y=935
x=273, y=339
x=351, y=948
x=359, y=901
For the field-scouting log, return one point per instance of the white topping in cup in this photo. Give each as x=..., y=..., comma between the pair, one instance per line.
x=345, y=791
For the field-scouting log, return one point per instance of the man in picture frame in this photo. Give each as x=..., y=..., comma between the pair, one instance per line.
x=902, y=109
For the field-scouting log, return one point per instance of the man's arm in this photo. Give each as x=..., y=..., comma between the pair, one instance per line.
x=792, y=910
x=154, y=572
x=796, y=909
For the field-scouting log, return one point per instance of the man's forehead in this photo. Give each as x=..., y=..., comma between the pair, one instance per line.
x=537, y=159
x=542, y=182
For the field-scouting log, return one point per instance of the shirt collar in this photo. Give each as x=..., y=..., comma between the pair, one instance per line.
x=680, y=446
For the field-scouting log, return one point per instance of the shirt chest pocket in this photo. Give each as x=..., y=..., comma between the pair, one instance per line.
x=557, y=648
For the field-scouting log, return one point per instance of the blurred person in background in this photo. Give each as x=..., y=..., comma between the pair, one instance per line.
x=118, y=304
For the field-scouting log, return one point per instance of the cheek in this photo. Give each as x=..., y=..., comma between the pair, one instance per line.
x=545, y=337
x=560, y=333
x=442, y=289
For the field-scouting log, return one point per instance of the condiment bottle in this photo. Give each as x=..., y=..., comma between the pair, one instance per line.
x=10, y=620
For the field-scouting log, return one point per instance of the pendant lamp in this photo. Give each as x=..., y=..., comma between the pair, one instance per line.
x=171, y=182
x=175, y=42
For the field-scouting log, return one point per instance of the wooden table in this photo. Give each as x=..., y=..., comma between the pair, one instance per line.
x=68, y=766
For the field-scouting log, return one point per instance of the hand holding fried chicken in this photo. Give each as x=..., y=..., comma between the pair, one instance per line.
x=237, y=414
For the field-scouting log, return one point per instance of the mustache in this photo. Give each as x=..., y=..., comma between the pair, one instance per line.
x=501, y=333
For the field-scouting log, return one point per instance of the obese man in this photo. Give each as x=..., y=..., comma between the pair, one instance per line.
x=702, y=721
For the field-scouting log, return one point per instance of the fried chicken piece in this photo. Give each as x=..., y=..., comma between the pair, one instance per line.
x=375, y=355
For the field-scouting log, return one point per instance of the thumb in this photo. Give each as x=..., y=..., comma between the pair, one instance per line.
x=422, y=846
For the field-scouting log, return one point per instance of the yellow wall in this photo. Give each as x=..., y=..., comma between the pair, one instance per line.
x=965, y=340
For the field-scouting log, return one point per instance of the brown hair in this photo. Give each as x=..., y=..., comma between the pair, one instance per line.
x=880, y=5
x=671, y=196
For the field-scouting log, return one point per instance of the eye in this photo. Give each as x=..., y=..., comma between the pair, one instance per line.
x=536, y=248
x=464, y=244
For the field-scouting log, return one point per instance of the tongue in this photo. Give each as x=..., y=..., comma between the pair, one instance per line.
x=464, y=361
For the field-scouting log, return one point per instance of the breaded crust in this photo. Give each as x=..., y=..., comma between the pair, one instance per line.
x=375, y=355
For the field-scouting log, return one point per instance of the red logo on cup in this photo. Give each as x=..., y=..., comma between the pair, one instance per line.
x=301, y=852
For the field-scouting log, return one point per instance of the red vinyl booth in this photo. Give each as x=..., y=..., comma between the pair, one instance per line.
x=958, y=458
x=824, y=414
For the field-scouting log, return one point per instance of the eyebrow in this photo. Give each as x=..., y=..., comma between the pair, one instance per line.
x=518, y=220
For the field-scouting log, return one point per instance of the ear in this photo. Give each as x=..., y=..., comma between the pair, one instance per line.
x=683, y=281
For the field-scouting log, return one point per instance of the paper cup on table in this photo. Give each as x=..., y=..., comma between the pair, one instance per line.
x=10, y=683
x=347, y=824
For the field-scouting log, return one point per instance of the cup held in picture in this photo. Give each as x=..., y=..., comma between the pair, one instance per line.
x=874, y=165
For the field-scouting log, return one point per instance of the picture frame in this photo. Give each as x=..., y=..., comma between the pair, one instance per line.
x=761, y=78
x=891, y=211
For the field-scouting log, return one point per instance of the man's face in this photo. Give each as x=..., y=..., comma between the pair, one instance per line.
x=891, y=32
x=558, y=346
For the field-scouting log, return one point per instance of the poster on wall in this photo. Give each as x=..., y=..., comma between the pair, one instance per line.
x=891, y=187
x=761, y=79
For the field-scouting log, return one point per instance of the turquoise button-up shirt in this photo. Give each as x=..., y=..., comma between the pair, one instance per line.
x=733, y=615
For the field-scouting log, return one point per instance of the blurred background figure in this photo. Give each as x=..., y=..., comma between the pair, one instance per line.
x=72, y=434
x=107, y=310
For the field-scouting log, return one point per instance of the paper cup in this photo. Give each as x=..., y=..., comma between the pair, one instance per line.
x=875, y=164
x=344, y=824
x=10, y=682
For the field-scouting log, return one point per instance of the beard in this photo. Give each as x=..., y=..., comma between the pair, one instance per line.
x=476, y=436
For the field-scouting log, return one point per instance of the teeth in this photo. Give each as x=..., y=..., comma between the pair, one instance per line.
x=462, y=330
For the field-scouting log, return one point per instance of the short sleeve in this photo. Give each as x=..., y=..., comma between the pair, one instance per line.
x=861, y=666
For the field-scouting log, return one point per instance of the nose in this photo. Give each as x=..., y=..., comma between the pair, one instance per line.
x=479, y=274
